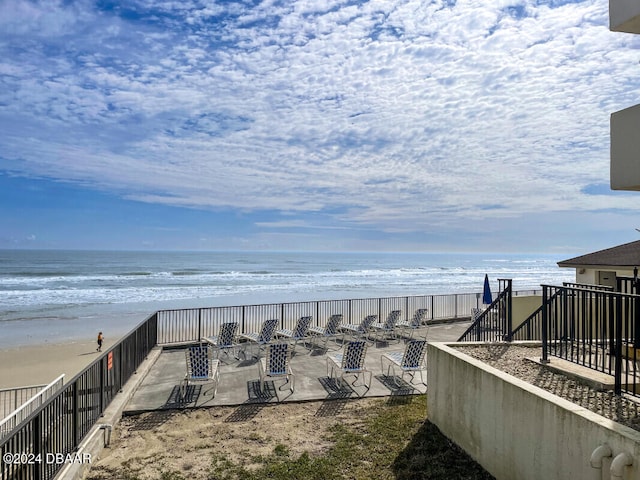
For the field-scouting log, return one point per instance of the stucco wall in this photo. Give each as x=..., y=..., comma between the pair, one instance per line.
x=589, y=276
x=515, y=430
x=522, y=307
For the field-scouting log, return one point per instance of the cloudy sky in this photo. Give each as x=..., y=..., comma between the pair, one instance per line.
x=395, y=125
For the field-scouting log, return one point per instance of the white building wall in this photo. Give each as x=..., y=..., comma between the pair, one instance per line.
x=515, y=430
x=624, y=16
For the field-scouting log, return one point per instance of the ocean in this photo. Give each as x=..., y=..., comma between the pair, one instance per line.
x=58, y=296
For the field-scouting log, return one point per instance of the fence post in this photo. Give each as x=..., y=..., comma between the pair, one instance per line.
x=102, y=365
x=282, y=315
x=636, y=311
x=406, y=309
x=120, y=355
x=509, y=311
x=545, y=324
x=455, y=305
x=618, y=346
x=37, y=445
x=75, y=416
x=199, y=324
x=432, y=306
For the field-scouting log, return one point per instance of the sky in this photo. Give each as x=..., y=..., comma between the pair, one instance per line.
x=396, y=125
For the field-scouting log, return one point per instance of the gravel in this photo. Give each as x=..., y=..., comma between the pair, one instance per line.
x=511, y=359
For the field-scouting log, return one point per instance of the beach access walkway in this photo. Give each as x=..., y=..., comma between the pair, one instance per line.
x=239, y=379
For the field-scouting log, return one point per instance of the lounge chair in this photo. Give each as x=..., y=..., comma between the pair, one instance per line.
x=276, y=364
x=201, y=368
x=416, y=322
x=410, y=361
x=225, y=340
x=388, y=326
x=330, y=330
x=350, y=362
x=358, y=330
x=298, y=333
x=261, y=338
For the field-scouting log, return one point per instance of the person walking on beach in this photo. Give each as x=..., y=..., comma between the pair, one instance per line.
x=100, y=339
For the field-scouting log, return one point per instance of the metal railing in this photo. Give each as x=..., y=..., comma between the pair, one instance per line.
x=597, y=329
x=531, y=328
x=58, y=426
x=494, y=323
x=12, y=398
x=27, y=407
x=190, y=325
x=626, y=285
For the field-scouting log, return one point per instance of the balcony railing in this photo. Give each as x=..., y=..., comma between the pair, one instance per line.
x=596, y=329
x=190, y=325
x=25, y=408
x=495, y=322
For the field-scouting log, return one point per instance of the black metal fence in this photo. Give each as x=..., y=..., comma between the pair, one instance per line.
x=597, y=329
x=531, y=328
x=495, y=322
x=38, y=447
x=190, y=325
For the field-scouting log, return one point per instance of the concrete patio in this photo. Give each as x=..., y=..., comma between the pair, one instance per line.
x=239, y=379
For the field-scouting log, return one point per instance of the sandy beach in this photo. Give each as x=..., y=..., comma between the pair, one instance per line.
x=40, y=364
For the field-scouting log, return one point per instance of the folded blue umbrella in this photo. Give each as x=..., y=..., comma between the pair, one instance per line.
x=487, y=299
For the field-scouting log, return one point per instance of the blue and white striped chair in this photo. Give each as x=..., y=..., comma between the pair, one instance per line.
x=358, y=330
x=410, y=361
x=388, y=326
x=226, y=339
x=350, y=362
x=261, y=338
x=276, y=364
x=201, y=368
x=415, y=323
x=300, y=331
x=329, y=331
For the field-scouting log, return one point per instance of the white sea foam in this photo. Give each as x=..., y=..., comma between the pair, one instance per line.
x=40, y=289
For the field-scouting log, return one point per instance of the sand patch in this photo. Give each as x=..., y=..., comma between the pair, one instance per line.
x=187, y=441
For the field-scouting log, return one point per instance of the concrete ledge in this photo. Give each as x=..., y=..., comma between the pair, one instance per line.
x=588, y=376
x=97, y=438
x=516, y=430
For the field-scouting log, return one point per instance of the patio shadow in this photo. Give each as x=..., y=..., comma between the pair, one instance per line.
x=402, y=388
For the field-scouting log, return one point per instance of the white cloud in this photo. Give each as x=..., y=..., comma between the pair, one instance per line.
x=392, y=113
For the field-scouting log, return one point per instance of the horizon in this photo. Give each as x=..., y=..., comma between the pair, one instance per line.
x=397, y=126
x=296, y=252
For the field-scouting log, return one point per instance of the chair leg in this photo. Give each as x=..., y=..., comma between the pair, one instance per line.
x=183, y=388
x=422, y=378
x=291, y=381
x=217, y=379
x=395, y=377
